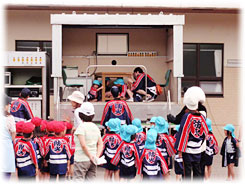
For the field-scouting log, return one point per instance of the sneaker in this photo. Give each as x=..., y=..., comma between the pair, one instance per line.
x=130, y=100
x=149, y=99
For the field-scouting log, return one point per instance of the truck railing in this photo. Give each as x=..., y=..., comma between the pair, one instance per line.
x=115, y=66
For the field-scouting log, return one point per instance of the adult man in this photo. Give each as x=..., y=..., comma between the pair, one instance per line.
x=137, y=91
x=20, y=108
x=116, y=109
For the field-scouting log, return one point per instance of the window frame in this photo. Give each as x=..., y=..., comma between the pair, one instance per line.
x=109, y=33
x=197, y=79
x=38, y=41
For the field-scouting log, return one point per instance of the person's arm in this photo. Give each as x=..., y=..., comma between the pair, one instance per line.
x=99, y=147
x=13, y=134
x=68, y=167
x=84, y=147
x=100, y=88
x=67, y=118
x=179, y=116
x=11, y=127
x=130, y=80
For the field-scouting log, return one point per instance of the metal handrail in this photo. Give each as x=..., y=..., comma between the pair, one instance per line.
x=115, y=66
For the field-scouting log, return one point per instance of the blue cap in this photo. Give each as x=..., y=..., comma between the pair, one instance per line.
x=177, y=127
x=113, y=125
x=128, y=131
x=25, y=92
x=118, y=121
x=107, y=79
x=119, y=81
x=230, y=128
x=209, y=122
x=151, y=137
x=96, y=82
x=160, y=124
x=153, y=119
x=137, y=122
x=122, y=129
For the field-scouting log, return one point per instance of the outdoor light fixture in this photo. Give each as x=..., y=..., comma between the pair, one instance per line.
x=114, y=62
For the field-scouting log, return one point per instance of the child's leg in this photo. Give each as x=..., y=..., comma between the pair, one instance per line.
x=47, y=176
x=178, y=177
x=122, y=179
x=61, y=177
x=110, y=174
x=166, y=176
x=71, y=171
x=39, y=175
x=209, y=169
x=130, y=93
x=206, y=172
x=116, y=175
x=53, y=177
x=231, y=170
x=106, y=175
x=228, y=173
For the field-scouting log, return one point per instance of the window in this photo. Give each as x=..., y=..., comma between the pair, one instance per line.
x=203, y=66
x=112, y=44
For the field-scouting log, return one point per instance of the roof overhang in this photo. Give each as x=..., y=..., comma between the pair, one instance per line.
x=117, y=19
x=224, y=4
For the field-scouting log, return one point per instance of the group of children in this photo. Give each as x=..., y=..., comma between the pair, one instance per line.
x=46, y=149
x=95, y=92
x=130, y=150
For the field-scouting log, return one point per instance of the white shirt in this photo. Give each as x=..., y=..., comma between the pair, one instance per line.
x=77, y=119
x=229, y=147
x=91, y=133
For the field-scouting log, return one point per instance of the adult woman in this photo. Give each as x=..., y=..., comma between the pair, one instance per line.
x=88, y=142
x=76, y=99
x=8, y=131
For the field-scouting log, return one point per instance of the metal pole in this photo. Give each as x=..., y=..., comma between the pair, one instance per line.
x=116, y=66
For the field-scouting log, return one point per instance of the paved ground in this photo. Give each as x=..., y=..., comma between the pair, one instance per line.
x=218, y=173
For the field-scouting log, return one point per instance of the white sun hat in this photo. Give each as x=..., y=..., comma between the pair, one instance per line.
x=77, y=97
x=197, y=92
x=87, y=108
x=191, y=102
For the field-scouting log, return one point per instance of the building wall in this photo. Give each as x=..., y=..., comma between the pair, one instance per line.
x=82, y=42
x=198, y=28
x=220, y=28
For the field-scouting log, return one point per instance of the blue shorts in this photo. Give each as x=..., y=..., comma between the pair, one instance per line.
x=45, y=169
x=72, y=160
x=109, y=166
x=127, y=172
x=231, y=158
x=208, y=160
x=40, y=163
x=178, y=165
